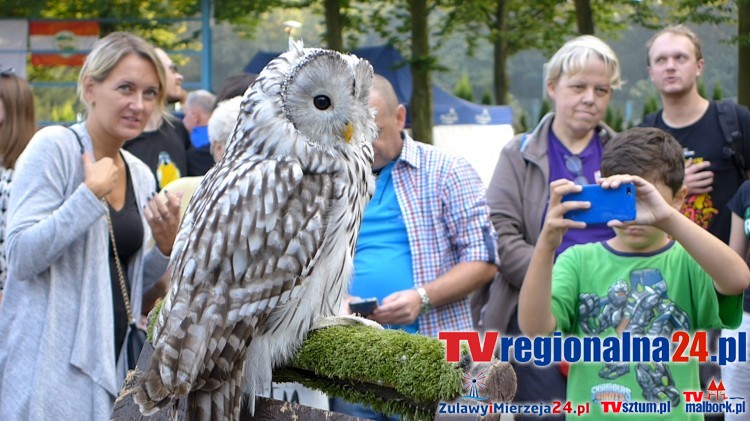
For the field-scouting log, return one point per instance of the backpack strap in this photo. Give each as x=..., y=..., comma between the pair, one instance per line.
x=649, y=120
x=730, y=128
x=524, y=138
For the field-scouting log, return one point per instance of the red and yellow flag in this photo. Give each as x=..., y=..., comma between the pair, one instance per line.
x=60, y=43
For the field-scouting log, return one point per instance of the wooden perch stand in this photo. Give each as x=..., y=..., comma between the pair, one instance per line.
x=326, y=362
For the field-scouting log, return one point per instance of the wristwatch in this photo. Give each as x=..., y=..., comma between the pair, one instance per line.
x=426, y=306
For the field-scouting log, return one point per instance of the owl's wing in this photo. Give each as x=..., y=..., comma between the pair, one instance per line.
x=248, y=241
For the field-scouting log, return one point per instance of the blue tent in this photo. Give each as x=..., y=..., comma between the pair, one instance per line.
x=447, y=108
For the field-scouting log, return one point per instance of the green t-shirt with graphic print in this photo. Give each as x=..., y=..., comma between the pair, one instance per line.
x=597, y=291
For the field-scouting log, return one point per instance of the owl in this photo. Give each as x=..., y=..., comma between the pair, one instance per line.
x=267, y=242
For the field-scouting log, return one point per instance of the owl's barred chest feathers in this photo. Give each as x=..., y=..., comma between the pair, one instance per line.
x=322, y=290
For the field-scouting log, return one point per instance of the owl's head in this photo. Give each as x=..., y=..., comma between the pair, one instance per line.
x=318, y=97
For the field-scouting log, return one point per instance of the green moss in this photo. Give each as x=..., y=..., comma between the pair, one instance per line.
x=152, y=316
x=413, y=365
x=392, y=371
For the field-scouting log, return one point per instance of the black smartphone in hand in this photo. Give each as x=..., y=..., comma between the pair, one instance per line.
x=363, y=307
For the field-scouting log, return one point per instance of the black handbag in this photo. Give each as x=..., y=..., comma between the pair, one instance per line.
x=135, y=341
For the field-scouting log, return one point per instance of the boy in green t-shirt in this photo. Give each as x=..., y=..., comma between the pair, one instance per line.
x=661, y=273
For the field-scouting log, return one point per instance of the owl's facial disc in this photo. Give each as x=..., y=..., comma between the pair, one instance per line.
x=319, y=99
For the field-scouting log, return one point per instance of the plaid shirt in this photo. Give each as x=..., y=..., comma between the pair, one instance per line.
x=447, y=221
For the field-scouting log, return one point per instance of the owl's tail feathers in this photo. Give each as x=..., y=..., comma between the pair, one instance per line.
x=151, y=394
x=221, y=403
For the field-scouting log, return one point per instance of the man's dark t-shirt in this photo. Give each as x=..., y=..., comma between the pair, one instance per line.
x=704, y=141
x=163, y=150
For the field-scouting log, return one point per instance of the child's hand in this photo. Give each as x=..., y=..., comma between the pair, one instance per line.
x=650, y=206
x=555, y=224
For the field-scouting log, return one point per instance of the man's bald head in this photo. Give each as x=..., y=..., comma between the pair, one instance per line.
x=390, y=118
x=384, y=90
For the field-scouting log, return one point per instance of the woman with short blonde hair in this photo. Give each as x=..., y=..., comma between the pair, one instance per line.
x=567, y=143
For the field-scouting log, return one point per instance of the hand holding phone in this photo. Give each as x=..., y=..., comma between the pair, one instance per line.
x=363, y=307
x=606, y=204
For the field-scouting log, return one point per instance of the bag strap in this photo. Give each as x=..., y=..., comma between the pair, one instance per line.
x=730, y=127
x=120, y=273
x=78, y=138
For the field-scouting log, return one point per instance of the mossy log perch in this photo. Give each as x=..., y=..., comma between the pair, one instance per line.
x=392, y=371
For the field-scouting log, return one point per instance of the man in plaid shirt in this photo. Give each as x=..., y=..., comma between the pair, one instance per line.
x=426, y=239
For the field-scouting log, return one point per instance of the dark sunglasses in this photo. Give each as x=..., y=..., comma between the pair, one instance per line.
x=573, y=164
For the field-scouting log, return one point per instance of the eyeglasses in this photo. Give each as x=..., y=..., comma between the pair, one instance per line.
x=7, y=71
x=573, y=164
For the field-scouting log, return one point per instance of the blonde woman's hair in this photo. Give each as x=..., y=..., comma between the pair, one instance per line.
x=573, y=57
x=675, y=30
x=108, y=52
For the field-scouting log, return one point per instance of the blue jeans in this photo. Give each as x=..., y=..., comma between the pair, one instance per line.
x=359, y=410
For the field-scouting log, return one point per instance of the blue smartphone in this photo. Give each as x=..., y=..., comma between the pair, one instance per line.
x=606, y=204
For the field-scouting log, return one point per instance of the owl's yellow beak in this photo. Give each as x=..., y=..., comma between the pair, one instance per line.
x=348, y=132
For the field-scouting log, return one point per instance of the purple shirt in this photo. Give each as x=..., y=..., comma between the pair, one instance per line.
x=591, y=159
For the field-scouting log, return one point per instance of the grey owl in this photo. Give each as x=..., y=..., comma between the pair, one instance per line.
x=267, y=242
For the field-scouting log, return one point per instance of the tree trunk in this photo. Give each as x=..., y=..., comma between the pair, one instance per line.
x=584, y=17
x=743, y=62
x=500, y=53
x=421, y=93
x=334, y=41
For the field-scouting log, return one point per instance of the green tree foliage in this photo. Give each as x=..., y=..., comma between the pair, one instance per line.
x=59, y=103
x=411, y=25
x=651, y=105
x=545, y=109
x=718, y=92
x=743, y=34
x=615, y=119
x=487, y=97
x=619, y=121
x=523, y=123
x=463, y=88
x=702, y=88
x=511, y=26
x=609, y=117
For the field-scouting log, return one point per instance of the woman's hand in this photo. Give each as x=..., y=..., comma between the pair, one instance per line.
x=100, y=176
x=164, y=220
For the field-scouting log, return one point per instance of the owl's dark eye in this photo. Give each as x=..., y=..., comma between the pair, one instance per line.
x=322, y=102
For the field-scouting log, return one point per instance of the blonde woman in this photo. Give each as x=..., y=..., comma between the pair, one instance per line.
x=64, y=316
x=567, y=143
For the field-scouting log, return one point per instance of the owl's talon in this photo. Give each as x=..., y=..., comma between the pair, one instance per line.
x=348, y=320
